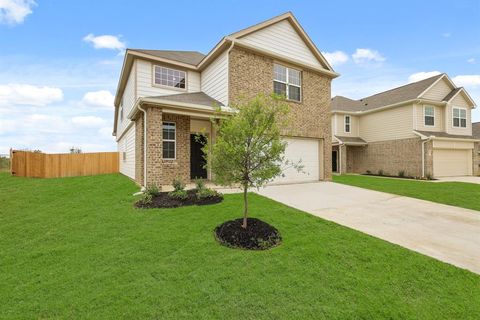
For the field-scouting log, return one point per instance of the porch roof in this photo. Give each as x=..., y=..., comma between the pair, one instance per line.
x=199, y=98
x=431, y=134
x=354, y=141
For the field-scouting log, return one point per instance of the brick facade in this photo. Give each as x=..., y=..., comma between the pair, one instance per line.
x=476, y=159
x=139, y=149
x=250, y=74
x=391, y=157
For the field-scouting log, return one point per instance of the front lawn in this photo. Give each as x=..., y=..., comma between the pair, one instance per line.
x=76, y=248
x=459, y=194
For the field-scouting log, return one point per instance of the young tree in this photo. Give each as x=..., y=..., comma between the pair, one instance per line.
x=75, y=150
x=248, y=149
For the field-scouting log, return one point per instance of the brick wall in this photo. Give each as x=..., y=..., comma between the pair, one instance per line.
x=390, y=156
x=476, y=159
x=250, y=74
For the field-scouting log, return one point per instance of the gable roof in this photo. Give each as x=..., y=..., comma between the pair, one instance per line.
x=189, y=57
x=400, y=94
x=476, y=130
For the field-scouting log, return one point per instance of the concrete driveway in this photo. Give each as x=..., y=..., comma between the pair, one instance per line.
x=468, y=179
x=447, y=233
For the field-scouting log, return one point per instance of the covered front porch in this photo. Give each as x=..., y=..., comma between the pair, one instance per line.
x=170, y=134
x=343, y=150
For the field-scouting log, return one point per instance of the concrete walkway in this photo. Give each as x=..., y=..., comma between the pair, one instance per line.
x=447, y=233
x=468, y=179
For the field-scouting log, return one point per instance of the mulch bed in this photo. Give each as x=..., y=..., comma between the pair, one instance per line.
x=258, y=235
x=390, y=176
x=163, y=200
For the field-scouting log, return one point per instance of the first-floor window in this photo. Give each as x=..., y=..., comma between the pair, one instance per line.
x=168, y=140
x=429, y=113
x=347, y=124
x=459, y=118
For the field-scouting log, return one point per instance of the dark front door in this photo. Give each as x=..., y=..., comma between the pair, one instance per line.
x=197, y=162
x=334, y=161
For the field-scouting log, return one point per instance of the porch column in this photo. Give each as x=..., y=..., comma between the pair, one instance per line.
x=154, y=146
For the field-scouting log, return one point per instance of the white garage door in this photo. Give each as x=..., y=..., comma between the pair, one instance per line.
x=451, y=162
x=306, y=150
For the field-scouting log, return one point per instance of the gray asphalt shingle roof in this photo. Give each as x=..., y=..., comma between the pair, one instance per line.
x=443, y=135
x=199, y=98
x=404, y=93
x=350, y=139
x=189, y=57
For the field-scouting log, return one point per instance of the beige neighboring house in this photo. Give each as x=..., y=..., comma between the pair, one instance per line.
x=423, y=129
x=164, y=98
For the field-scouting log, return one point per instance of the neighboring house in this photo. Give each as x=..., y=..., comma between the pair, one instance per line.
x=422, y=129
x=164, y=98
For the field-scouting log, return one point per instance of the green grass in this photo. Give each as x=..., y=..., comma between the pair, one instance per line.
x=76, y=248
x=459, y=194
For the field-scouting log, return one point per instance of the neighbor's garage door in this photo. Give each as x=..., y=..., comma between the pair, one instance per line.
x=451, y=162
x=306, y=150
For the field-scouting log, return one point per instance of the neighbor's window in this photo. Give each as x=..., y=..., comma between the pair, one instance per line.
x=429, y=115
x=169, y=140
x=170, y=77
x=459, y=118
x=287, y=82
x=347, y=123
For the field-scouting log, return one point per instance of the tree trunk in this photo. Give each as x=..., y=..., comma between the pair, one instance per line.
x=245, y=206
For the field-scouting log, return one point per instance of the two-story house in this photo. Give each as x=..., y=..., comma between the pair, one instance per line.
x=422, y=129
x=165, y=98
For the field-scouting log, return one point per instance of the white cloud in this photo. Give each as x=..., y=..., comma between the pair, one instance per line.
x=88, y=121
x=446, y=34
x=106, y=132
x=336, y=58
x=105, y=42
x=6, y=126
x=25, y=94
x=367, y=55
x=98, y=99
x=471, y=60
x=467, y=80
x=422, y=75
x=14, y=11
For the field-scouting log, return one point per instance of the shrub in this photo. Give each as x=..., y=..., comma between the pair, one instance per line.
x=380, y=172
x=369, y=172
x=401, y=174
x=152, y=190
x=178, y=194
x=178, y=185
x=202, y=192
x=429, y=176
x=145, y=199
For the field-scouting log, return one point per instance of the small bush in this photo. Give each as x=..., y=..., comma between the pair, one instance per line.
x=206, y=193
x=429, y=176
x=401, y=174
x=145, y=199
x=380, y=172
x=178, y=194
x=369, y=172
x=152, y=190
x=178, y=185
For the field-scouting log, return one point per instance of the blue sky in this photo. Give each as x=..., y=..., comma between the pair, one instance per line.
x=60, y=60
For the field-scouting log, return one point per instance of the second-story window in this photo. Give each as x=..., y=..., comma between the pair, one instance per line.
x=459, y=118
x=429, y=115
x=170, y=77
x=347, y=124
x=287, y=82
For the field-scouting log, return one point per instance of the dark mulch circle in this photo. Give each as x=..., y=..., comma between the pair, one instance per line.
x=163, y=200
x=258, y=235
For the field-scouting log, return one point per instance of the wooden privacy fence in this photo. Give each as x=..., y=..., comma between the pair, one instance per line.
x=43, y=165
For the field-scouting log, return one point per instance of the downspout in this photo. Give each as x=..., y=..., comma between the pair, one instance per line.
x=144, y=146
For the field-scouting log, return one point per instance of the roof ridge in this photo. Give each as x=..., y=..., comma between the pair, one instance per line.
x=402, y=86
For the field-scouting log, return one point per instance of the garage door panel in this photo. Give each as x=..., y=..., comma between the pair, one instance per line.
x=452, y=162
x=307, y=152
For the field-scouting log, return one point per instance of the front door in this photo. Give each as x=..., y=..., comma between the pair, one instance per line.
x=334, y=161
x=197, y=161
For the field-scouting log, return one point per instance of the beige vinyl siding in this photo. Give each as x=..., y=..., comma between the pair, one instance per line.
x=460, y=102
x=390, y=124
x=281, y=38
x=145, y=83
x=128, y=100
x=340, y=125
x=333, y=128
x=127, y=144
x=214, y=79
x=438, y=91
x=439, y=118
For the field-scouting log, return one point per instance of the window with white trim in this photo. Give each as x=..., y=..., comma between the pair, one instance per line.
x=287, y=82
x=459, y=118
x=170, y=77
x=347, y=124
x=169, y=141
x=429, y=115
